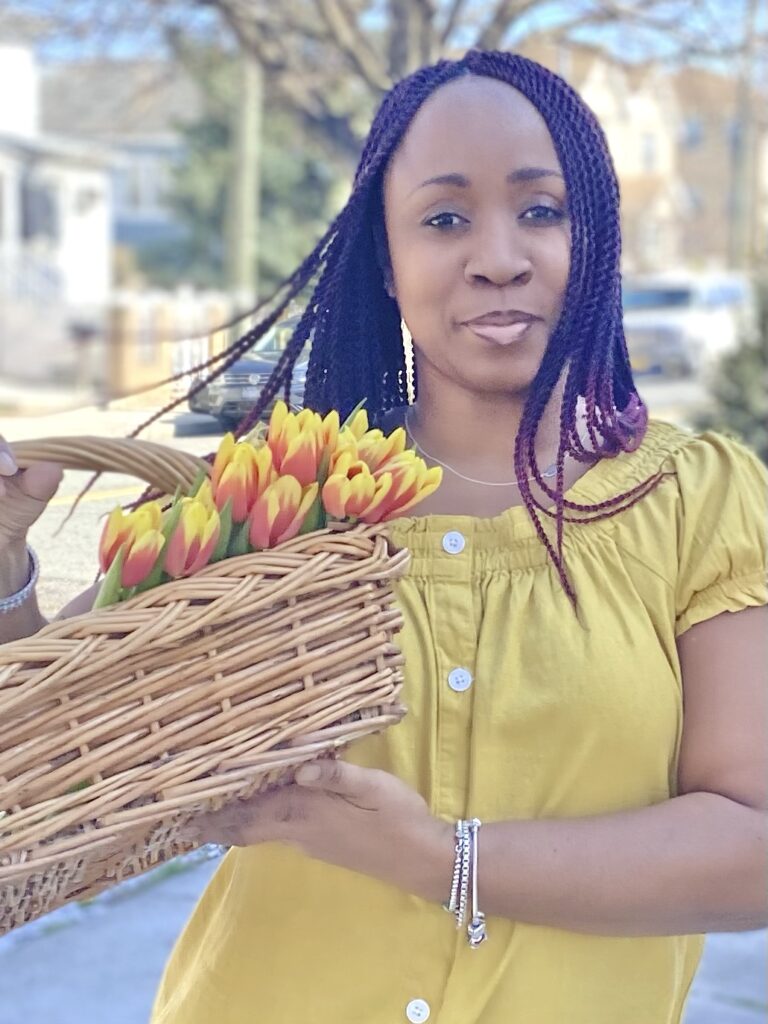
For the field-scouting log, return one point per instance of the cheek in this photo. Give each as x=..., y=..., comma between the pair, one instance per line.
x=425, y=281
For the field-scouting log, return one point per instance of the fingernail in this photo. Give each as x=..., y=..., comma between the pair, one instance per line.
x=308, y=773
x=7, y=463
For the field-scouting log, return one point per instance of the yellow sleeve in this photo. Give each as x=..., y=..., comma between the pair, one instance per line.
x=722, y=526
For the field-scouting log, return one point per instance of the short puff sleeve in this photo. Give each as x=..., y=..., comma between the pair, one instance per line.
x=722, y=526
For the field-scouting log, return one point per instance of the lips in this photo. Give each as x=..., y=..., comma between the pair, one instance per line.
x=503, y=334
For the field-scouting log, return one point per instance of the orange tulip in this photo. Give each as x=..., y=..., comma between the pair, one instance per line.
x=375, y=449
x=280, y=511
x=223, y=457
x=193, y=539
x=408, y=481
x=122, y=528
x=140, y=557
x=351, y=491
x=298, y=442
x=244, y=478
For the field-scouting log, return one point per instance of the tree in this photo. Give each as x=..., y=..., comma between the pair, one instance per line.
x=740, y=388
x=331, y=60
x=297, y=185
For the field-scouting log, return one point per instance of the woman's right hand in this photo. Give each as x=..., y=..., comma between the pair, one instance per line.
x=24, y=495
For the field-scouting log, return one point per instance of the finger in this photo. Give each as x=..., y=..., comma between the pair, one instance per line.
x=7, y=462
x=338, y=777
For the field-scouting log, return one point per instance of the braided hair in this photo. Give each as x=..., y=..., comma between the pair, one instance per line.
x=354, y=325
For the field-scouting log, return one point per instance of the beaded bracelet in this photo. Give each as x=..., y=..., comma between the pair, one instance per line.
x=14, y=601
x=464, y=870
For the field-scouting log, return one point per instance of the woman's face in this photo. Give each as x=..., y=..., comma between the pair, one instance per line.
x=475, y=234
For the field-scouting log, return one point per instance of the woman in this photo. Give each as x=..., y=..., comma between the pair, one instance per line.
x=558, y=618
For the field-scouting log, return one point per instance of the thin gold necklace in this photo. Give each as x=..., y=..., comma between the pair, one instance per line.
x=547, y=474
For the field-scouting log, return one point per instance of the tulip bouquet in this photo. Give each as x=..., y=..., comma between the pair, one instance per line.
x=120, y=725
x=300, y=474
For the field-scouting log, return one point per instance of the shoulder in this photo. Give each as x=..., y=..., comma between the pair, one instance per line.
x=698, y=464
x=717, y=526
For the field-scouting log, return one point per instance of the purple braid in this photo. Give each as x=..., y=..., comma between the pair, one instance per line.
x=353, y=324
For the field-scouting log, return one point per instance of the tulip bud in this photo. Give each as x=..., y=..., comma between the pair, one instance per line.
x=280, y=511
x=193, y=540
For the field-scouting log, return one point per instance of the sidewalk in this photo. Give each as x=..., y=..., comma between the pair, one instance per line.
x=100, y=964
x=34, y=412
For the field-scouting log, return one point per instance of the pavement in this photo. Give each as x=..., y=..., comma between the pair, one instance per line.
x=101, y=963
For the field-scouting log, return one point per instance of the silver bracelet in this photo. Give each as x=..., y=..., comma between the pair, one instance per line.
x=464, y=872
x=476, y=933
x=14, y=601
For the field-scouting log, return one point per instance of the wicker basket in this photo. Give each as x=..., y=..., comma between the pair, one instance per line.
x=185, y=697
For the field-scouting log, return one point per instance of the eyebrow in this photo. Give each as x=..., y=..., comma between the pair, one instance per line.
x=521, y=174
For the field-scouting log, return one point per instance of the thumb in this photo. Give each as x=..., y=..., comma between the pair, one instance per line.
x=41, y=480
x=336, y=777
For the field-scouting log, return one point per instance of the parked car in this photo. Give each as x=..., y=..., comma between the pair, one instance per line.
x=679, y=323
x=231, y=395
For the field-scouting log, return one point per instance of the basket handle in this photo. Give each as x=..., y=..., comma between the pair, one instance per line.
x=156, y=464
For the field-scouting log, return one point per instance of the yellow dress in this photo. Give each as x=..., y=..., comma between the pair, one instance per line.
x=516, y=710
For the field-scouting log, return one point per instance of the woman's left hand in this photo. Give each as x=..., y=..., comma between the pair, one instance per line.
x=363, y=819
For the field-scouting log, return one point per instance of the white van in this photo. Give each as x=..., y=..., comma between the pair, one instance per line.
x=679, y=323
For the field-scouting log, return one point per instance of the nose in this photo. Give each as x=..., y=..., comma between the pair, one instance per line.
x=497, y=256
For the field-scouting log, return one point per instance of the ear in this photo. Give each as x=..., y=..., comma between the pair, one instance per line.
x=382, y=256
x=389, y=282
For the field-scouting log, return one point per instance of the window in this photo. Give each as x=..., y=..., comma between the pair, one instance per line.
x=39, y=211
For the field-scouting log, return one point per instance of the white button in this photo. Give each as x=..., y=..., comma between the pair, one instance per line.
x=417, y=1011
x=453, y=542
x=459, y=679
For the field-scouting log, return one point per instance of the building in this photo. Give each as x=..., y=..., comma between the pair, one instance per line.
x=55, y=245
x=671, y=137
x=134, y=107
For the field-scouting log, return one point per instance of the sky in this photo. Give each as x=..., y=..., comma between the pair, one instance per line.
x=141, y=38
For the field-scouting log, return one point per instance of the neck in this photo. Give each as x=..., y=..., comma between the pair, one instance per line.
x=476, y=432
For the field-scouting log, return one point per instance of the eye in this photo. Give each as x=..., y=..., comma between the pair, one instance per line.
x=445, y=221
x=554, y=214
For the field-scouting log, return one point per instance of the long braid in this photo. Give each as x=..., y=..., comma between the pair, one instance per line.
x=353, y=326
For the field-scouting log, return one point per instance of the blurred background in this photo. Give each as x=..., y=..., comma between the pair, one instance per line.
x=164, y=164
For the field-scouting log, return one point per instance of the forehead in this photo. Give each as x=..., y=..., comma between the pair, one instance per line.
x=472, y=126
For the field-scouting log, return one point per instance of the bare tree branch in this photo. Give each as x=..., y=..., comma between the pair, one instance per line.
x=497, y=26
x=353, y=44
x=455, y=12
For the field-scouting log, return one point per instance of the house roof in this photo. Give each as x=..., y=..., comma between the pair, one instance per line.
x=65, y=150
x=110, y=100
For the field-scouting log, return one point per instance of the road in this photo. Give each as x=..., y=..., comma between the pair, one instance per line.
x=100, y=963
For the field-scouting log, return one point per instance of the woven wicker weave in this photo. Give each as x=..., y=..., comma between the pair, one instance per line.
x=186, y=697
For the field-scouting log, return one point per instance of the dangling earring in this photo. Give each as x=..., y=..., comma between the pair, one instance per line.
x=409, y=361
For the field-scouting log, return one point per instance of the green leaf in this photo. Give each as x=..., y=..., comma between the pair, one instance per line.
x=352, y=415
x=202, y=475
x=316, y=518
x=239, y=544
x=80, y=785
x=225, y=518
x=111, y=589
